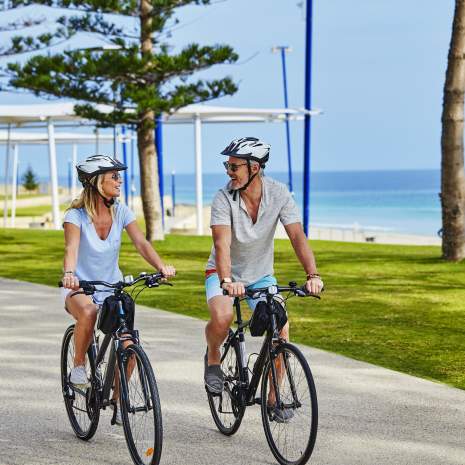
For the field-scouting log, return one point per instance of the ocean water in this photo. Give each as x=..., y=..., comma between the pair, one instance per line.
x=395, y=201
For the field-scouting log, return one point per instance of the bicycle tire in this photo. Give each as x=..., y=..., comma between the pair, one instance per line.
x=229, y=418
x=83, y=413
x=145, y=446
x=292, y=441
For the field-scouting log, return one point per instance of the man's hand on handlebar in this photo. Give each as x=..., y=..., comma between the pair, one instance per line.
x=314, y=285
x=234, y=289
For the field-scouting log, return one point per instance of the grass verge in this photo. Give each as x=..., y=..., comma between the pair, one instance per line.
x=400, y=307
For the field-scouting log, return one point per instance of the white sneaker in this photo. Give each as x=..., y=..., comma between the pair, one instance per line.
x=118, y=419
x=78, y=376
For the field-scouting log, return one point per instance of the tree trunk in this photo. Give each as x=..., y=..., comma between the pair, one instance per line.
x=150, y=192
x=452, y=167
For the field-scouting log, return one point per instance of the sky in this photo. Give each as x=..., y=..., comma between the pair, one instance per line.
x=378, y=75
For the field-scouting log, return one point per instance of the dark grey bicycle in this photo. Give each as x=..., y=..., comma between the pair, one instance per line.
x=138, y=393
x=286, y=380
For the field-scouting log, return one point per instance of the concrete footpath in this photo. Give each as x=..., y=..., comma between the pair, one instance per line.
x=368, y=415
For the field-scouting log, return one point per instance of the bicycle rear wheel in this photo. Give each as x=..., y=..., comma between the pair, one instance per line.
x=141, y=414
x=81, y=405
x=291, y=441
x=226, y=408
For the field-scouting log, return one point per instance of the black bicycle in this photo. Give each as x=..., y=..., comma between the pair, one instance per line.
x=125, y=363
x=288, y=396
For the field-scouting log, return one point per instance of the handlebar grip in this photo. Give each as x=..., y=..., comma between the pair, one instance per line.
x=225, y=292
x=60, y=284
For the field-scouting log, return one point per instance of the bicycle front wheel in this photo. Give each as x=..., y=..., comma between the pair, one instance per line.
x=226, y=408
x=141, y=413
x=290, y=430
x=81, y=405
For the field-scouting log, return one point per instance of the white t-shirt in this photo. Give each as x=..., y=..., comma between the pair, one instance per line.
x=97, y=258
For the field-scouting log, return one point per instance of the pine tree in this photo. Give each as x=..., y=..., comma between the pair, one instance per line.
x=138, y=77
x=29, y=180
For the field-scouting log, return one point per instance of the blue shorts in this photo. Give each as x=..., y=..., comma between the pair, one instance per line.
x=212, y=287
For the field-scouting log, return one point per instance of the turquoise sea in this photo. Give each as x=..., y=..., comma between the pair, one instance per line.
x=396, y=201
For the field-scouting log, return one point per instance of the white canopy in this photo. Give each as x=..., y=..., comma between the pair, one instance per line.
x=50, y=113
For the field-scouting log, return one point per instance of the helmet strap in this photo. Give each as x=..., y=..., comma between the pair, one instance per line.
x=106, y=202
x=234, y=192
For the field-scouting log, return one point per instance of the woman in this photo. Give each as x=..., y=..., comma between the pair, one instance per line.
x=93, y=227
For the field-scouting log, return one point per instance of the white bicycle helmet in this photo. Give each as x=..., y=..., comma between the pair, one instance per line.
x=247, y=148
x=95, y=165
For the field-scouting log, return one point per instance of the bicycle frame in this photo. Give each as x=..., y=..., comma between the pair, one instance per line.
x=267, y=352
x=116, y=358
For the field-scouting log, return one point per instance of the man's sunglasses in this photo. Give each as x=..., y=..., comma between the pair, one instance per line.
x=232, y=166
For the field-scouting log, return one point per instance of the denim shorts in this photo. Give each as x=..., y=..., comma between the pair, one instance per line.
x=212, y=287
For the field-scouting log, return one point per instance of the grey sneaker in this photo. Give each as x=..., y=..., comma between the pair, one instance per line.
x=78, y=376
x=281, y=415
x=213, y=377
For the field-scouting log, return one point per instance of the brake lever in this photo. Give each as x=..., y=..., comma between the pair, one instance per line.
x=166, y=283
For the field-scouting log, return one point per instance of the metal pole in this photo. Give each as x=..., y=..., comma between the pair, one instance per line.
x=159, y=146
x=125, y=161
x=53, y=173
x=97, y=141
x=69, y=177
x=173, y=190
x=7, y=168
x=198, y=173
x=133, y=187
x=284, y=49
x=14, y=184
x=307, y=126
x=73, y=174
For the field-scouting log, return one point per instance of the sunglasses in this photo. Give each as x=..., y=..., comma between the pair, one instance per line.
x=232, y=166
x=116, y=177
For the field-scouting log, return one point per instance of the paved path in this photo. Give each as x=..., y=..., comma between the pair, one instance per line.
x=368, y=415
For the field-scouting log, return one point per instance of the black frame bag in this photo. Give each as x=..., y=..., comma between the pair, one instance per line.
x=261, y=319
x=108, y=319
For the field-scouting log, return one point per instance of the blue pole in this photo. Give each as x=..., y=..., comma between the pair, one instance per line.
x=159, y=146
x=307, y=126
x=286, y=105
x=133, y=188
x=173, y=189
x=125, y=161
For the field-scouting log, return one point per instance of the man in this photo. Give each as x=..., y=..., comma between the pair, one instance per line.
x=244, y=216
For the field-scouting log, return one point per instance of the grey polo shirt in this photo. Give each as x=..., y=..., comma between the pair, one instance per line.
x=252, y=245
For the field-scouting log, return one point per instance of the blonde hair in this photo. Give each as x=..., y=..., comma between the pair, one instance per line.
x=89, y=197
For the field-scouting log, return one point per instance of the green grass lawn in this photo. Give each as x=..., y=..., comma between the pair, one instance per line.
x=401, y=307
x=36, y=210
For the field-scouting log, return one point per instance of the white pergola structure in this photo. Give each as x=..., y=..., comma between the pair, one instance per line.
x=199, y=114
x=47, y=115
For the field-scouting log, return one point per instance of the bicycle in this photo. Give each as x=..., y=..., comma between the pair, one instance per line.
x=138, y=393
x=282, y=369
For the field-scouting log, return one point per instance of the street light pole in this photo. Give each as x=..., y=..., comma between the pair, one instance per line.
x=283, y=50
x=308, y=106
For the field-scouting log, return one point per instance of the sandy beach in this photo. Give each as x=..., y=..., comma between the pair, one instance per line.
x=184, y=222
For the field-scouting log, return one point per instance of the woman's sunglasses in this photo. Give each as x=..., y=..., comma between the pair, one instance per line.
x=232, y=166
x=116, y=177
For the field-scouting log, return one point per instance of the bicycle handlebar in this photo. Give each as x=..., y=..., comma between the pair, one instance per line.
x=264, y=291
x=151, y=280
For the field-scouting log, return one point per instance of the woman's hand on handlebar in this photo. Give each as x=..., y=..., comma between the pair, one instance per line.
x=168, y=271
x=70, y=281
x=234, y=289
